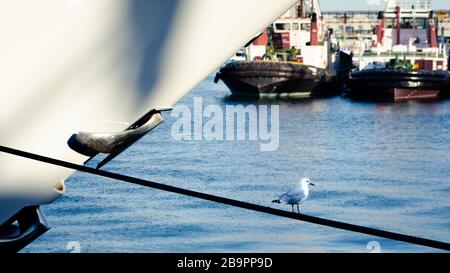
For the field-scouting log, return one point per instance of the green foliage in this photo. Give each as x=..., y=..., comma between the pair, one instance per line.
x=400, y=64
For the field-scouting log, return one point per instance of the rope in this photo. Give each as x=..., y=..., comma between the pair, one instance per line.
x=234, y=203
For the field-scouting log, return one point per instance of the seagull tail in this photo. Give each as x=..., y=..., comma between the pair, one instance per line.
x=276, y=201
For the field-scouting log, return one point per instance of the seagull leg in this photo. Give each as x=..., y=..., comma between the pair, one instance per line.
x=298, y=209
x=292, y=208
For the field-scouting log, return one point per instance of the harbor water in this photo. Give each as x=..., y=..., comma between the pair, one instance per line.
x=382, y=165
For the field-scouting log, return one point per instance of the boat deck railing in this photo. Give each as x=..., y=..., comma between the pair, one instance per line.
x=405, y=54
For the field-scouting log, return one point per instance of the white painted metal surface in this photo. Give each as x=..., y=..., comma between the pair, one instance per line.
x=84, y=65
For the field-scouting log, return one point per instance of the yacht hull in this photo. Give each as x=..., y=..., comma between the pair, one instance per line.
x=68, y=68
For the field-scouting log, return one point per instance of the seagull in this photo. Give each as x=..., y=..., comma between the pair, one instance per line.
x=297, y=195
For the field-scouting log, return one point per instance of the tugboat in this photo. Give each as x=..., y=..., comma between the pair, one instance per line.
x=288, y=61
x=406, y=61
x=276, y=79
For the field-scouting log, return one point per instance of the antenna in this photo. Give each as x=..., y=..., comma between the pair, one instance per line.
x=316, y=8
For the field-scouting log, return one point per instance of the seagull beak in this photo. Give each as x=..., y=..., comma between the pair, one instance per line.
x=312, y=184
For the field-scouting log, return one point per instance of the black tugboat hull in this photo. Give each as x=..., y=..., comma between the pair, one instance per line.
x=266, y=87
x=276, y=80
x=399, y=85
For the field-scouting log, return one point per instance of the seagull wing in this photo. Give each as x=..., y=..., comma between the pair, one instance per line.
x=293, y=196
x=296, y=192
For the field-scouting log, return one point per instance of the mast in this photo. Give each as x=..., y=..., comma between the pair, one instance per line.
x=314, y=29
x=379, y=29
x=314, y=35
x=399, y=23
x=301, y=9
x=316, y=8
x=432, y=31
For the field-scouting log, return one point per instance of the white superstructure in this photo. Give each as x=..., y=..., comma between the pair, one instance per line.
x=407, y=31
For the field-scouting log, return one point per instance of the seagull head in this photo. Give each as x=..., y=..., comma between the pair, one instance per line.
x=305, y=182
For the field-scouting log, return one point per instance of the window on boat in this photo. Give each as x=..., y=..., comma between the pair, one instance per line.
x=283, y=26
x=295, y=26
x=305, y=26
x=421, y=23
x=412, y=23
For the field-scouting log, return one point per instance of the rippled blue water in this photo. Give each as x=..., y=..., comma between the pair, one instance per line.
x=380, y=165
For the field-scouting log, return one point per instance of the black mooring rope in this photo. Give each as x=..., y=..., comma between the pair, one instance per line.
x=234, y=203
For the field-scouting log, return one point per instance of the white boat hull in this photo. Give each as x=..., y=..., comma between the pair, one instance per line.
x=83, y=65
